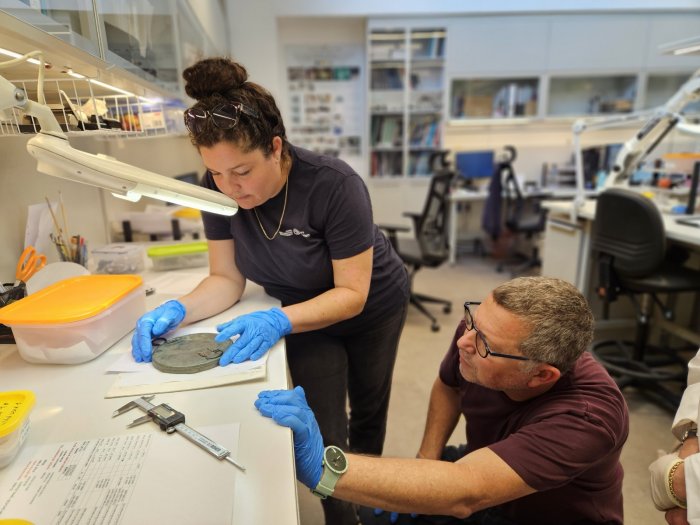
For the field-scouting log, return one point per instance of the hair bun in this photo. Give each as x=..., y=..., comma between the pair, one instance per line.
x=213, y=75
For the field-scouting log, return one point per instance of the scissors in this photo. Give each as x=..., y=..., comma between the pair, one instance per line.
x=29, y=263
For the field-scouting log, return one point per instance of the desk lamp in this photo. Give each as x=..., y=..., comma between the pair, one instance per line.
x=658, y=123
x=56, y=157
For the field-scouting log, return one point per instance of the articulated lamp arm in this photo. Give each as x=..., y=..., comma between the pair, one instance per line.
x=664, y=119
x=55, y=156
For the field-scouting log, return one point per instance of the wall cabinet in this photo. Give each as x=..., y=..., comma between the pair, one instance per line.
x=567, y=95
x=151, y=39
x=406, y=91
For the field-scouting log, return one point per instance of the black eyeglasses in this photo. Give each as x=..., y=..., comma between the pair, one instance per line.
x=482, y=347
x=223, y=116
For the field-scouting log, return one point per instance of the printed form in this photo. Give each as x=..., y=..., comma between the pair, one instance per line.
x=133, y=478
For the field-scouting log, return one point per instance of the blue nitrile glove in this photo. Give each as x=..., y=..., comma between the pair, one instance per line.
x=154, y=324
x=290, y=409
x=394, y=516
x=258, y=332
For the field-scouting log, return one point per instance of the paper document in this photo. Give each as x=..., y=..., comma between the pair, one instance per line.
x=137, y=379
x=133, y=478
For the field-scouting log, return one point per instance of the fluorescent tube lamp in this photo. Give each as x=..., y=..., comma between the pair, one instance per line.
x=55, y=156
x=687, y=46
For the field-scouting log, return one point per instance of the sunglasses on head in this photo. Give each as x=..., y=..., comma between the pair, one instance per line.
x=223, y=116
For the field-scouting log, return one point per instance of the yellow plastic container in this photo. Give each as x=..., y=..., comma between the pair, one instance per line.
x=76, y=319
x=14, y=423
x=177, y=256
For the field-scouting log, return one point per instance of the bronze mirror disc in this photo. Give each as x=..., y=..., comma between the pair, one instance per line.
x=189, y=354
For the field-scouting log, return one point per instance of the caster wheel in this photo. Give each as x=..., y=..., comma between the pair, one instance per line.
x=435, y=327
x=447, y=309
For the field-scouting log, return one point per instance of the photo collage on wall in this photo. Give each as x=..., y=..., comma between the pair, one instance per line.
x=325, y=104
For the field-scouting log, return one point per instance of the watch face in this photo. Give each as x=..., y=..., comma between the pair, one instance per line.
x=335, y=459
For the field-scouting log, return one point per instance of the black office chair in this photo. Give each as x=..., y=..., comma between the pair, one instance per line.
x=630, y=241
x=428, y=247
x=524, y=217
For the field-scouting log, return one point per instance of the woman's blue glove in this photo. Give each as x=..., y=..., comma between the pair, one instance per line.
x=258, y=332
x=290, y=409
x=154, y=324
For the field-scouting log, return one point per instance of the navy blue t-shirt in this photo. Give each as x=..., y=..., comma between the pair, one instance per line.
x=328, y=216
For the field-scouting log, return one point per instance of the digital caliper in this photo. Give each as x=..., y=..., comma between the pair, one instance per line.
x=170, y=420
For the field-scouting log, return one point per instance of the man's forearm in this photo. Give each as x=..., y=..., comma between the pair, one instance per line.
x=443, y=414
x=403, y=485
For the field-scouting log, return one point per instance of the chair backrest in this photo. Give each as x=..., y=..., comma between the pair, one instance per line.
x=431, y=227
x=629, y=227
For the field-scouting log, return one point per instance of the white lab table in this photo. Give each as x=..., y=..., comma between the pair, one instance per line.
x=462, y=195
x=567, y=245
x=70, y=406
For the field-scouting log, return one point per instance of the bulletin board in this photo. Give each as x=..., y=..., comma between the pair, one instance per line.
x=325, y=100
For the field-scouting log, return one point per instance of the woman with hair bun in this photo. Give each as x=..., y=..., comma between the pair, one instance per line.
x=304, y=232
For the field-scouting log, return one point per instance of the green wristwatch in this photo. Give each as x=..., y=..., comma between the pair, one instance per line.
x=335, y=464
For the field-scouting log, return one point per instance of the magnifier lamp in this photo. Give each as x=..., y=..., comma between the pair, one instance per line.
x=55, y=156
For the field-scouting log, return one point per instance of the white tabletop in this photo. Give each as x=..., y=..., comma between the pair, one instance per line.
x=70, y=406
x=674, y=231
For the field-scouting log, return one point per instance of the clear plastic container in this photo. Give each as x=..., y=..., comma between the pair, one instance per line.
x=15, y=407
x=177, y=256
x=77, y=319
x=118, y=259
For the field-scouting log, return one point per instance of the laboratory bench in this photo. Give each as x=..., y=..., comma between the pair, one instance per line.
x=71, y=406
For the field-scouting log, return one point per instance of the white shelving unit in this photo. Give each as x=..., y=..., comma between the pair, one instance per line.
x=406, y=93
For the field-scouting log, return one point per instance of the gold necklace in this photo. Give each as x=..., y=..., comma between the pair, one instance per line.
x=284, y=207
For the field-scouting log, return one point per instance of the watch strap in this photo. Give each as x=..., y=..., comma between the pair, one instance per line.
x=326, y=485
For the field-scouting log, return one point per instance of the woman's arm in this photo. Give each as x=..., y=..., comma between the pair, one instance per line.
x=346, y=299
x=221, y=289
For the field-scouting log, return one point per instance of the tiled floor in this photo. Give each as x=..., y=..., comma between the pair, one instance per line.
x=420, y=353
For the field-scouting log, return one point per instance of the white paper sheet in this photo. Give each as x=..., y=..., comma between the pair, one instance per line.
x=111, y=481
x=136, y=379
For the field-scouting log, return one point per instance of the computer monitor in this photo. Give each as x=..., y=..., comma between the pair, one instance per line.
x=474, y=164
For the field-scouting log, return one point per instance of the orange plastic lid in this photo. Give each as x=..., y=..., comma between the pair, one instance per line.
x=70, y=300
x=681, y=155
x=14, y=408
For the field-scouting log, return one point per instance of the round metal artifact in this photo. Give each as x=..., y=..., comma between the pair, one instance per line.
x=188, y=354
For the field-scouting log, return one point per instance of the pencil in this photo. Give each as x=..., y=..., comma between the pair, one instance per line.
x=63, y=215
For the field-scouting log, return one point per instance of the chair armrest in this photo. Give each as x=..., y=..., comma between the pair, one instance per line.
x=391, y=231
x=415, y=217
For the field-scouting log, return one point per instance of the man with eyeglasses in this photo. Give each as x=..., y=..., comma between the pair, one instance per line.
x=545, y=424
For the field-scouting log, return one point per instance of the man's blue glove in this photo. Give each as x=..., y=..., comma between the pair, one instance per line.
x=290, y=409
x=394, y=516
x=154, y=324
x=258, y=332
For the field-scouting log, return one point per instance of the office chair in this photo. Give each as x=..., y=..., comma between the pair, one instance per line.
x=428, y=247
x=629, y=239
x=524, y=217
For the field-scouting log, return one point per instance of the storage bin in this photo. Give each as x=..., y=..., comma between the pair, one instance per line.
x=76, y=319
x=118, y=259
x=177, y=256
x=15, y=407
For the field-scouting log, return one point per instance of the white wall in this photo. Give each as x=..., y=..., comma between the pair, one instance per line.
x=87, y=208
x=487, y=41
